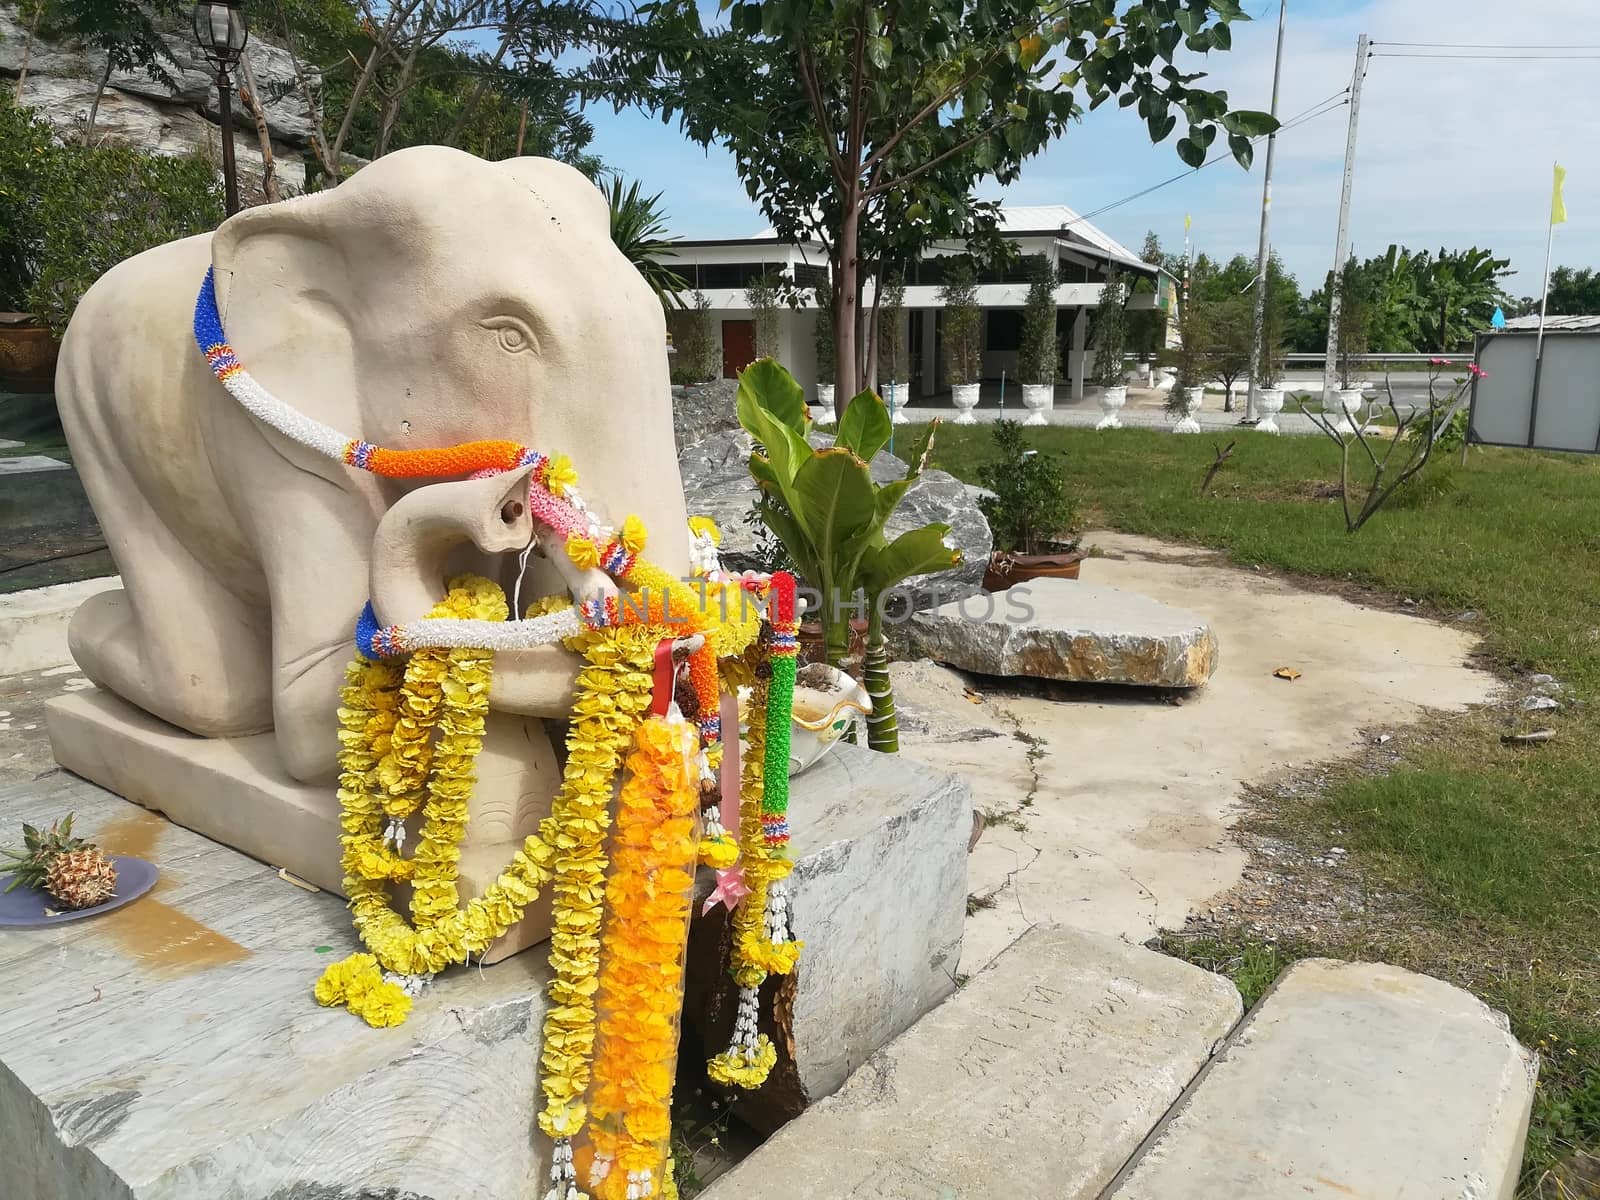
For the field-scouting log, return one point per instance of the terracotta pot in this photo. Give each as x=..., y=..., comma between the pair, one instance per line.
x=27, y=354
x=1006, y=568
x=813, y=647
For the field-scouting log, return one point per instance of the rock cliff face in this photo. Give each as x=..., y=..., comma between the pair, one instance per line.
x=62, y=77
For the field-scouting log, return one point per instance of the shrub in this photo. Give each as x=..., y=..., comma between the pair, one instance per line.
x=963, y=319
x=694, y=339
x=1037, y=353
x=823, y=337
x=1030, y=510
x=764, y=299
x=1111, y=331
x=891, y=332
x=70, y=212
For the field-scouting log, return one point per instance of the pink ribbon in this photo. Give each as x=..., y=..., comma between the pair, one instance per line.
x=730, y=889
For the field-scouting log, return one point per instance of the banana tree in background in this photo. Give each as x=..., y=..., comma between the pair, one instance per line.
x=830, y=516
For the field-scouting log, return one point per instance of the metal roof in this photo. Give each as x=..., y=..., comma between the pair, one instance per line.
x=1553, y=324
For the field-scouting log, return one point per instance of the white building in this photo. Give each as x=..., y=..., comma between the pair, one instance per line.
x=722, y=268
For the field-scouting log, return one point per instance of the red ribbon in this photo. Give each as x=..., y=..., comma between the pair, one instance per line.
x=666, y=678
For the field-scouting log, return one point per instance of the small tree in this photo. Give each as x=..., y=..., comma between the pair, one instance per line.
x=1269, y=356
x=963, y=348
x=823, y=335
x=1355, y=319
x=639, y=230
x=120, y=30
x=694, y=338
x=891, y=331
x=1110, y=330
x=1192, y=360
x=1029, y=511
x=1229, y=340
x=1037, y=353
x=764, y=299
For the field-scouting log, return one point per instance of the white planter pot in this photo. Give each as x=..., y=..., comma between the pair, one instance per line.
x=1193, y=398
x=1111, y=401
x=822, y=410
x=1038, y=399
x=1164, y=381
x=1269, y=403
x=1341, y=405
x=897, y=396
x=965, y=397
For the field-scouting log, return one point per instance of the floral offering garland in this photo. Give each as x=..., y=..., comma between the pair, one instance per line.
x=410, y=734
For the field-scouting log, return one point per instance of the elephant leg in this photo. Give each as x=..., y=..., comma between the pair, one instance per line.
x=317, y=576
x=173, y=640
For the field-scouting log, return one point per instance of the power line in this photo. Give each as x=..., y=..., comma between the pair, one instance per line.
x=1487, y=46
x=1337, y=100
x=1494, y=57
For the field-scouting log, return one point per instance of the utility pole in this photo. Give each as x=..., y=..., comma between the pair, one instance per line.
x=1341, y=245
x=1265, y=253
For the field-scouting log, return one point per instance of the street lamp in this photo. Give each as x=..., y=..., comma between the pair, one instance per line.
x=220, y=29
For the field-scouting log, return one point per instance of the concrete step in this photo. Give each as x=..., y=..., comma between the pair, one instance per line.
x=1037, y=1079
x=1349, y=1079
x=33, y=624
x=1068, y=629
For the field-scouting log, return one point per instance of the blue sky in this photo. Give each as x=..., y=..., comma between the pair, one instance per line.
x=1453, y=152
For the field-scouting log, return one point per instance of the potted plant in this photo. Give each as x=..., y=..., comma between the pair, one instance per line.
x=763, y=297
x=1038, y=355
x=1190, y=362
x=695, y=357
x=1269, y=364
x=830, y=515
x=892, y=363
x=822, y=340
x=1030, y=514
x=1354, y=319
x=963, y=348
x=1110, y=341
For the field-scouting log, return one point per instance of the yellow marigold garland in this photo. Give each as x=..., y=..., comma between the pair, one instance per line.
x=648, y=902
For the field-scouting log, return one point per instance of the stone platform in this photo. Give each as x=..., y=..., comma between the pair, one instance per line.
x=172, y=1050
x=1067, y=629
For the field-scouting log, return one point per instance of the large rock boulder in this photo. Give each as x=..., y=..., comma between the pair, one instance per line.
x=142, y=112
x=702, y=409
x=717, y=484
x=1071, y=630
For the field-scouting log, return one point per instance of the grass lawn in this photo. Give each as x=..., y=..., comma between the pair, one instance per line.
x=1498, y=847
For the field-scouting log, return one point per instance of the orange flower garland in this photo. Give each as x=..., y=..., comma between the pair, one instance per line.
x=648, y=898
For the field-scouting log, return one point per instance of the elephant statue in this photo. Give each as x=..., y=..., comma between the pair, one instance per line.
x=432, y=299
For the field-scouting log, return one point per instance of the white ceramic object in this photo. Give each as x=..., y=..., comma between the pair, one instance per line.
x=1038, y=399
x=1111, y=401
x=1342, y=408
x=1193, y=398
x=1269, y=403
x=826, y=701
x=822, y=410
x=896, y=396
x=965, y=397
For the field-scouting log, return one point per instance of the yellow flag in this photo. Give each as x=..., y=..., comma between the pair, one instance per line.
x=1558, y=206
x=1186, y=222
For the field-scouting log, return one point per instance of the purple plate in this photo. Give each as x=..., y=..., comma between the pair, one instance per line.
x=25, y=907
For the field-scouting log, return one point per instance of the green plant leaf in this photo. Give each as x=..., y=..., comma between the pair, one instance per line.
x=878, y=52
x=921, y=449
x=776, y=391
x=1249, y=123
x=836, y=507
x=865, y=428
x=1193, y=154
x=1242, y=150
x=915, y=552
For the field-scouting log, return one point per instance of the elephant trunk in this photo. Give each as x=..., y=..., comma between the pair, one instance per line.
x=416, y=537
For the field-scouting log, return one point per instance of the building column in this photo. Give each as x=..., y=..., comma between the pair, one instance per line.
x=1075, y=357
x=930, y=357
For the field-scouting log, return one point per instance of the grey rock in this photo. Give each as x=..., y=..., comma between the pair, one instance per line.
x=1038, y=1079
x=717, y=484
x=1070, y=630
x=874, y=834
x=1350, y=1079
x=704, y=409
x=1539, y=703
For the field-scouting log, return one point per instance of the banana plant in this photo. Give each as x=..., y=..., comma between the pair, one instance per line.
x=830, y=515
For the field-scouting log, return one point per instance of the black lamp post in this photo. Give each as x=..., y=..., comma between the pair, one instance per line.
x=220, y=29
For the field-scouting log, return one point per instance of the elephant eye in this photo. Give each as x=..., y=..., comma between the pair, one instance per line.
x=512, y=334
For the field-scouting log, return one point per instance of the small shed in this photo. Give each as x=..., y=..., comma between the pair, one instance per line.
x=1539, y=396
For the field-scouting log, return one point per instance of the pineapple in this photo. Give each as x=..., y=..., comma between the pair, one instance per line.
x=72, y=870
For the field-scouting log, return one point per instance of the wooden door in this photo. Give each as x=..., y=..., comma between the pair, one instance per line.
x=738, y=347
